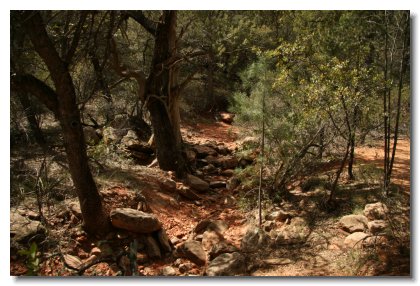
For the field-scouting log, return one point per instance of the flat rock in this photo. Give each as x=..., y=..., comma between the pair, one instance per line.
x=227, y=264
x=355, y=240
x=22, y=228
x=277, y=261
x=227, y=162
x=353, y=223
x=227, y=117
x=377, y=226
x=279, y=215
x=197, y=184
x=294, y=233
x=375, y=211
x=193, y=251
x=134, y=220
x=72, y=261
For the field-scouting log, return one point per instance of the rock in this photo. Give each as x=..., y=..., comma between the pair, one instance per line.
x=377, y=240
x=186, y=192
x=112, y=135
x=227, y=173
x=135, y=145
x=375, y=211
x=168, y=271
x=120, y=121
x=254, y=239
x=210, y=169
x=294, y=233
x=72, y=261
x=211, y=238
x=227, y=162
x=218, y=226
x=220, y=248
x=199, y=237
x=96, y=251
x=222, y=150
x=203, y=151
x=377, y=226
x=355, y=240
x=22, y=228
x=227, y=264
x=142, y=258
x=197, y=183
x=193, y=251
x=164, y=241
x=227, y=117
x=353, y=223
x=191, y=155
x=134, y=220
x=91, y=137
x=279, y=215
x=213, y=160
x=217, y=184
x=167, y=184
x=152, y=247
x=184, y=267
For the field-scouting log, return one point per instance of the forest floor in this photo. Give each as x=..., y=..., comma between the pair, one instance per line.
x=323, y=253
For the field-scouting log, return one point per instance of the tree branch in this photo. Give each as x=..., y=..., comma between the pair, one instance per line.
x=30, y=84
x=76, y=38
x=148, y=24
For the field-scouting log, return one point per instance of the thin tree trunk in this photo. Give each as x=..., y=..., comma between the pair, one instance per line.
x=337, y=175
x=385, y=111
x=32, y=121
x=403, y=67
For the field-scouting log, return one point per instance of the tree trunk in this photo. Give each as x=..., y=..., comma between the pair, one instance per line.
x=32, y=121
x=351, y=157
x=95, y=219
x=337, y=175
x=163, y=105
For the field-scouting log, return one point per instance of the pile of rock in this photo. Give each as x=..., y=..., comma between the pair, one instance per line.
x=206, y=246
x=367, y=229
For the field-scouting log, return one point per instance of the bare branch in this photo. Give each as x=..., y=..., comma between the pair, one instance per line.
x=148, y=24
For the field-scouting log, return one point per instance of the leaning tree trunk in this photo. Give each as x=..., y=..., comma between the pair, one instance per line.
x=95, y=219
x=162, y=104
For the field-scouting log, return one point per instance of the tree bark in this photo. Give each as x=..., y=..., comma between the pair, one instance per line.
x=162, y=103
x=95, y=218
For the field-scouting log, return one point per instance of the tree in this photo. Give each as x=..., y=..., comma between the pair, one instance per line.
x=62, y=102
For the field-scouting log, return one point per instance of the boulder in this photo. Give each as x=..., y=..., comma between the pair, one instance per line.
x=210, y=159
x=167, y=184
x=22, y=228
x=210, y=169
x=91, y=137
x=355, y=240
x=254, y=239
x=227, y=173
x=353, y=223
x=377, y=226
x=294, y=233
x=134, y=220
x=227, y=264
x=197, y=183
x=210, y=239
x=120, y=121
x=375, y=211
x=376, y=240
x=190, y=155
x=203, y=151
x=193, y=251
